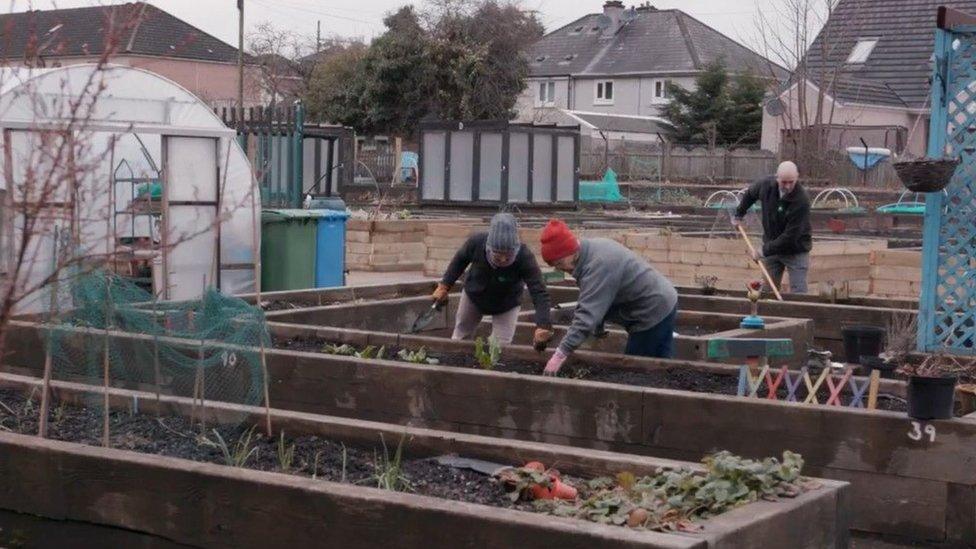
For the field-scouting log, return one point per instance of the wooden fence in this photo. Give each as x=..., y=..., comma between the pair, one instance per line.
x=677, y=163
x=378, y=165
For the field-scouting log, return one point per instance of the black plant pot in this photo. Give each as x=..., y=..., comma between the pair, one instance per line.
x=869, y=363
x=931, y=397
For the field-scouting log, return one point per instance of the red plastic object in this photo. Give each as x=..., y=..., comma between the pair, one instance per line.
x=836, y=225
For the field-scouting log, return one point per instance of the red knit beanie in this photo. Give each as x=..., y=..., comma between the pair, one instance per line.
x=558, y=241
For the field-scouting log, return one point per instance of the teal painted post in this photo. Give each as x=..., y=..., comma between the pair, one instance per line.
x=938, y=131
x=298, y=158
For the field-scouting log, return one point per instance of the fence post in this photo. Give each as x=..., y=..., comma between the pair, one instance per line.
x=298, y=157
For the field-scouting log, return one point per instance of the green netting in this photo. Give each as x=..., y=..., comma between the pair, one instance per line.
x=206, y=349
x=601, y=191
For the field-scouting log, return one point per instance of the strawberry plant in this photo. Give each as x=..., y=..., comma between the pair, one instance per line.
x=670, y=499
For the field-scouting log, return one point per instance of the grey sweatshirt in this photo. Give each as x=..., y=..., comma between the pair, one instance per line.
x=618, y=286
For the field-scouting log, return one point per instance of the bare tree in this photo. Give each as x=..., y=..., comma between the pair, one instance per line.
x=800, y=35
x=277, y=52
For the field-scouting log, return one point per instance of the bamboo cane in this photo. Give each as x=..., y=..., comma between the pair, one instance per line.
x=256, y=256
x=46, y=388
x=752, y=251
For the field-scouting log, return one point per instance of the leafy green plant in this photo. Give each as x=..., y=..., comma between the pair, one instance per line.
x=59, y=414
x=343, y=350
x=672, y=499
x=286, y=453
x=419, y=356
x=369, y=352
x=488, y=355
x=236, y=455
x=388, y=471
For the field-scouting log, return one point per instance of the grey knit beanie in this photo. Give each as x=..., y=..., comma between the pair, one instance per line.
x=503, y=232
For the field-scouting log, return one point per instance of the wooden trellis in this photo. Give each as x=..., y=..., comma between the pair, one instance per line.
x=947, y=310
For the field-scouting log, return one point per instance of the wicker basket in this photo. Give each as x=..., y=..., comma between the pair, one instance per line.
x=926, y=175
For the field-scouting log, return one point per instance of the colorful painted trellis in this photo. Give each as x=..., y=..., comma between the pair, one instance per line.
x=947, y=309
x=802, y=387
x=758, y=380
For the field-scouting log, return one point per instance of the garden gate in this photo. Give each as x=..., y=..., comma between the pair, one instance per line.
x=947, y=315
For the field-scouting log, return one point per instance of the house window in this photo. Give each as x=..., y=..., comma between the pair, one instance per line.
x=604, y=93
x=862, y=50
x=547, y=94
x=660, y=91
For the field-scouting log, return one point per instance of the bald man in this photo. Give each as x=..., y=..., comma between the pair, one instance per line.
x=787, y=239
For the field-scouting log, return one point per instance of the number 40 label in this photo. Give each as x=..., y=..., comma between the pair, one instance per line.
x=918, y=432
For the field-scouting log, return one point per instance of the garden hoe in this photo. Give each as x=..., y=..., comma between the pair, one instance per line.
x=752, y=254
x=427, y=317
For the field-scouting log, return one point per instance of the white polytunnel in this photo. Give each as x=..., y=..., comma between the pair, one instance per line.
x=120, y=165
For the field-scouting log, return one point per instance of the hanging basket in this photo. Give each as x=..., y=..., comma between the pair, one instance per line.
x=926, y=175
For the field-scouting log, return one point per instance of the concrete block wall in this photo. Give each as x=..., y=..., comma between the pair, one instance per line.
x=682, y=258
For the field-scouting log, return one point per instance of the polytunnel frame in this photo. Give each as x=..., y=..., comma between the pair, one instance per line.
x=166, y=133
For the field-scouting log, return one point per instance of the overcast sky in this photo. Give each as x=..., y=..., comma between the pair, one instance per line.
x=364, y=18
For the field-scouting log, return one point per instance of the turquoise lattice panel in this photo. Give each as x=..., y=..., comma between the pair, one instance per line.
x=948, y=301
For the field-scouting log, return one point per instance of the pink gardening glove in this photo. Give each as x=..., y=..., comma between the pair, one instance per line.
x=555, y=363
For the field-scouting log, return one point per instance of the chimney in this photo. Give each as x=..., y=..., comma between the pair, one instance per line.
x=613, y=9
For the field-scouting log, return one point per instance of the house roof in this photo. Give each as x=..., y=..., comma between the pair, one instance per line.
x=654, y=41
x=852, y=90
x=898, y=64
x=603, y=121
x=143, y=30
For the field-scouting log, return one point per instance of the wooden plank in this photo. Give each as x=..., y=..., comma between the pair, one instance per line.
x=453, y=230
x=904, y=274
x=897, y=258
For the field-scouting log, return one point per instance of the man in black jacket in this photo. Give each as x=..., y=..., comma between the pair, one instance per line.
x=787, y=239
x=500, y=268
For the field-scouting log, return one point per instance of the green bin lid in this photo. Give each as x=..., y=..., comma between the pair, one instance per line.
x=278, y=216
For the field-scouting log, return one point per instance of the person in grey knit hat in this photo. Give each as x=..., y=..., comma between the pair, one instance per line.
x=498, y=268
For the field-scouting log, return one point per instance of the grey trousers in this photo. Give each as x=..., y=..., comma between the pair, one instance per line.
x=468, y=317
x=796, y=265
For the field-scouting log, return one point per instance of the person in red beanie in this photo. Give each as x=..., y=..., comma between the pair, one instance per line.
x=615, y=285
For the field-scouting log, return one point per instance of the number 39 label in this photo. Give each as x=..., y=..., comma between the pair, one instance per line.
x=918, y=432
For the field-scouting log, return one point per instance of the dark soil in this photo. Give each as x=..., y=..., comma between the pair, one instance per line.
x=323, y=458
x=682, y=379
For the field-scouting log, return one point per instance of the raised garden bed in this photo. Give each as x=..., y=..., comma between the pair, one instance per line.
x=231, y=503
x=398, y=315
x=915, y=487
x=424, y=350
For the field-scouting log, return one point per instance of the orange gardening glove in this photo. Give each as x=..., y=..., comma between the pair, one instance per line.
x=541, y=338
x=440, y=294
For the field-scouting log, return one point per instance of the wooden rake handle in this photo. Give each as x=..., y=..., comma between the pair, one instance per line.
x=752, y=251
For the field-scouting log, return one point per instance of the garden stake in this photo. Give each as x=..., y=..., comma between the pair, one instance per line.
x=105, y=361
x=774, y=385
x=873, y=389
x=834, y=399
x=46, y=388
x=256, y=255
x=156, y=354
x=752, y=250
x=793, y=383
x=814, y=387
x=857, y=392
